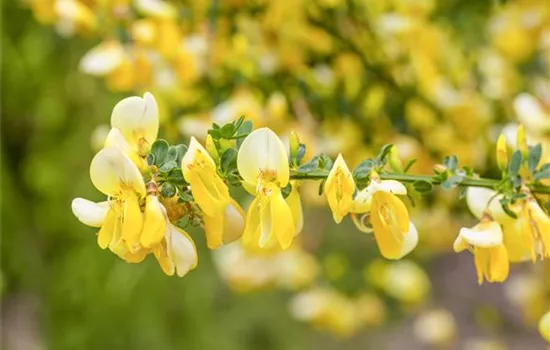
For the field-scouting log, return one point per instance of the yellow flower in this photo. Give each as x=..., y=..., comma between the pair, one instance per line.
x=223, y=217
x=263, y=164
x=544, y=326
x=138, y=120
x=536, y=226
x=394, y=234
x=485, y=241
x=177, y=252
x=339, y=189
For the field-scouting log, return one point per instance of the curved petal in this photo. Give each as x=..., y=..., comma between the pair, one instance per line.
x=233, y=222
x=483, y=235
x=154, y=225
x=499, y=264
x=110, y=168
x=107, y=231
x=90, y=213
x=294, y=202
x=410, y=241
x=213, y=228
x=390, y=186
x=196, y=152
x=252, y=230
x=544, y=326
x=282, y=222
x=262, y=156
x=362, y=202
x=477, y=199
x=362, y=222
x=137, y=118
x=161, y=254
x=182, y=250
x=132, y=223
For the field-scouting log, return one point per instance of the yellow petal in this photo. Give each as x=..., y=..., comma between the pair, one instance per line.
x=105, y=234
x=136, y=257
x=362, y=222
x=138, y=120
x=262, y=157
x=213, y=227
x=410, y=242
x=499, y=264
x=90, y=213
x=182, y=251
x=165, y=261
x=116, y=139
x=252, y=229
x=295, y=204
x=519, y=245
x=132, y=222
x=390, y=221
x=156, y=8
x=339, y=189
x=362, y=202
x=196, y=153
x=481, y=262
x=540, y=225
x=112, y=171
x=483, y=235
x=154, y=226
x=282, y=222
x=210, y=193
x=233, y=222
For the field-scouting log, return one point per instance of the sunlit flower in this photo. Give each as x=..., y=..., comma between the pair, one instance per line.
x=263, y=164
x=138, y=120
x=223, y=217
x=486, y=243
x=339, y=189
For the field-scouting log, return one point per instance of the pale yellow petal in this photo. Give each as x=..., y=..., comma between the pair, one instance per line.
x=137, y=118
x=194, y=152
x=252, y=229
x=410, y=241
x=165, y=261
x=544, y=326
x=106, y=233
x=110, y=169
x=499, y=264
x=339, y=189
x=213, y=227
x=154, y=226
x=182, y=250
x=262, y=156
x=90, y=213
x=483, y=235
x=233, y=222
x=294, y=202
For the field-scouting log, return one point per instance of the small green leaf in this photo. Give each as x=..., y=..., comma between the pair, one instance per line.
x=410, y=163
x=168, y=166
x=542, y=175
x=227, y=131
x=422, y=186
x=545, y=167
x=451, y=162
x=384, y=151
x=452, y=182
x=181, y=150
x=159, y=149
x=176, y=177
x=300, y=154
x=505, y=202
x=172, y=154
x=150, y=159
x=286, y=190
x=238, y=122
x=168, y=190
x=515, y=163
x=310, y=166
x=363, y=170
x=228, y=159
x=325, y=162
x=533, y=158
x=215, y=133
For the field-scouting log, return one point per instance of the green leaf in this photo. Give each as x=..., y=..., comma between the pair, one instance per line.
x=422, y=186
x=410, y=163
x=325, y=162
x=300, y=154
x=150, y=159
x=515, y=163
x=545, y=167
x=172, y=155
x=168, y=166
x=542, y=175
x=159, y=149
x=168, y=190
x=533, y=158
x=238, y=122
x=227, y=131
x=215, y=133
x=181, y=150
x=451, y=162
x=286, y=190
x=310, y=166
x=244, y=129
x=322, y=187
x=228, y=159
x=504, y=202
x=452, y=182
x=176, y=177
x=384, y=151
x=363, y=170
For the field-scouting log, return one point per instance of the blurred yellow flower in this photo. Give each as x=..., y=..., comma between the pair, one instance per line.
x=544, y=326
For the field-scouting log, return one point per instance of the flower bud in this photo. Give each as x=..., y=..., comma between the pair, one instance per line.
x=502, y=153
x=440, y=168
x=211, y=148
x=294, y=146
x=395, y=161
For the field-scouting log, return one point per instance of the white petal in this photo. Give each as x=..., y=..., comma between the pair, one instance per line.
x=233, y=223
x=110, y=168
x=182, y=250
x=102, y=59
x=460, y=244
x=391, y=186
x=410, y=242
x=262, y=154
x=483, y=235
x=116, y=139
x=88, y=212
x=137, y=117
x=477, y=199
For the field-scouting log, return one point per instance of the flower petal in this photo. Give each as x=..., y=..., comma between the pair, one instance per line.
x=282, y=222
x=110, y=168
x=182, y=250
x=107, y=231
x=410, y=241
x=262, y=156
x=137, y=118
x=132, y=222
x=483, y=235
x=294, y=202
x=90, y=213
x=233, y=222
x=339, y=189
x=154, y=226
